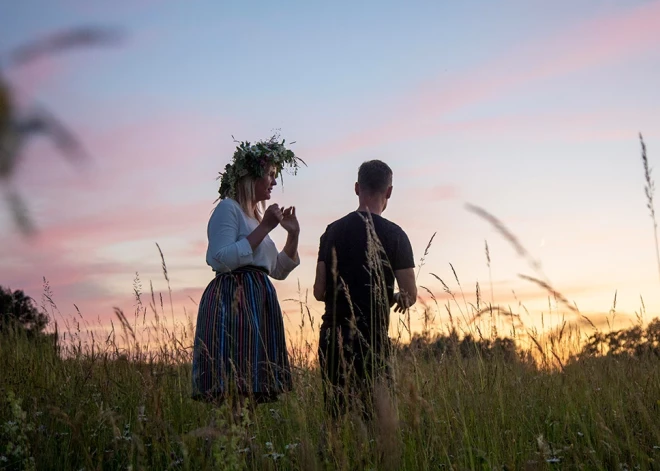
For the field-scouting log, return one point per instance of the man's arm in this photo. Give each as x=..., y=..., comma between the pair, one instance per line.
x=319, y=282
x=407, y=295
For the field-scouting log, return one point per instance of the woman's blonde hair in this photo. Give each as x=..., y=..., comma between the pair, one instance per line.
x=245, y=196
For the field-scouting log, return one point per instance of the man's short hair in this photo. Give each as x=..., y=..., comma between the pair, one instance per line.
x=375, y=176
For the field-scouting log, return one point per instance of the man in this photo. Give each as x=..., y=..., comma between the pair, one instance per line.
x=360, y=257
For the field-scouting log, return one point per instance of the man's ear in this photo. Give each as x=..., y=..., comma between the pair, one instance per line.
x=388, y=193
x=357, y=189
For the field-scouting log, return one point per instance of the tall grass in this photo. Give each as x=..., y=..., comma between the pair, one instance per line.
x=465, y=396
x=649, y=192
x=462, y=402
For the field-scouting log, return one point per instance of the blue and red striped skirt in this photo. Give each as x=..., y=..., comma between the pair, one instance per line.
x=240, y=346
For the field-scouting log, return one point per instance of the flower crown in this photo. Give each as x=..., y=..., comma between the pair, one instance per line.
x=253, y=160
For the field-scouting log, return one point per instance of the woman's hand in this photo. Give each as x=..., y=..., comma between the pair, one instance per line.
x=272, y=217
x=289, y=221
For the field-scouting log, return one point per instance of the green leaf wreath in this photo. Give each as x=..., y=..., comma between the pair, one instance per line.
x=254, y=160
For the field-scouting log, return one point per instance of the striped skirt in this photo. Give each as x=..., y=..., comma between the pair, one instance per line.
x=239, y=340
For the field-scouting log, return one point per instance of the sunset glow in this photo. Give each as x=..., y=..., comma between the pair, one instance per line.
x=530, y=111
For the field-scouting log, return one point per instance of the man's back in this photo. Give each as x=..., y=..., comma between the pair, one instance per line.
x=360, y=257
x=361, y=252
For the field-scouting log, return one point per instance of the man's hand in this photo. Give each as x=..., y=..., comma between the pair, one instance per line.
x=407, y=295
x=401, y=302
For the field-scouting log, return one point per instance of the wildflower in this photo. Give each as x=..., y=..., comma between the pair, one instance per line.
x=141, y=414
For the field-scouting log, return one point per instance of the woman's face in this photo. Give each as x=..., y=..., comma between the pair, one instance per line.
x=263, y=186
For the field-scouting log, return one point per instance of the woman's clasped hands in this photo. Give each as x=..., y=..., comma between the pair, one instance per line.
x=286, y=217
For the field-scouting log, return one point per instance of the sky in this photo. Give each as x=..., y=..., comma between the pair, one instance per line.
x=529, y=110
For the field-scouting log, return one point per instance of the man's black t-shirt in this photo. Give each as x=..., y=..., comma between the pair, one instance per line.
x=361, y=257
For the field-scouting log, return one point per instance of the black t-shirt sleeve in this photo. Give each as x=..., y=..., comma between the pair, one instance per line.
x=403, y=257
x=323, y=247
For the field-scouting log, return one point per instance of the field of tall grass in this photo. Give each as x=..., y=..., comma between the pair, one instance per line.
x=463, y=398
x=461, y=402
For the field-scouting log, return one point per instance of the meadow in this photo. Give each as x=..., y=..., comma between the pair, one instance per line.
x=465, y=397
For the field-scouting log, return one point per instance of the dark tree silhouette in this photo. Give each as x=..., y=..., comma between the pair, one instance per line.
x=636, y=341
x=451, y=344
x=18, y=311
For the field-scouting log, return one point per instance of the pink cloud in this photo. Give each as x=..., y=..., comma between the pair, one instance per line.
x=308, y=251
x=596, y=42
x=606, y=125
x=172, y=145
x=62, y=273
x=436, y=193
x=619, y=124
x=506, y=296
x=443, y=192
x=197, y=249
x=65, y=253
x=85, y=284
x=125, y=225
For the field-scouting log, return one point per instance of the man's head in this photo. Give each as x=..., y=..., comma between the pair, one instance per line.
x=374, y=185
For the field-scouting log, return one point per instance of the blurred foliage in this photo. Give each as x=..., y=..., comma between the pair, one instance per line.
x=17, y=126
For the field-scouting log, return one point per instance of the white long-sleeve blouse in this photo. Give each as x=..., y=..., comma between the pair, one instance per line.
x=229, y=248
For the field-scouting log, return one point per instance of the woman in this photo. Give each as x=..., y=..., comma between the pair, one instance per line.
x=240, y=349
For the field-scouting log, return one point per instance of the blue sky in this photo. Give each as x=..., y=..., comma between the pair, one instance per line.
x=529, y=110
